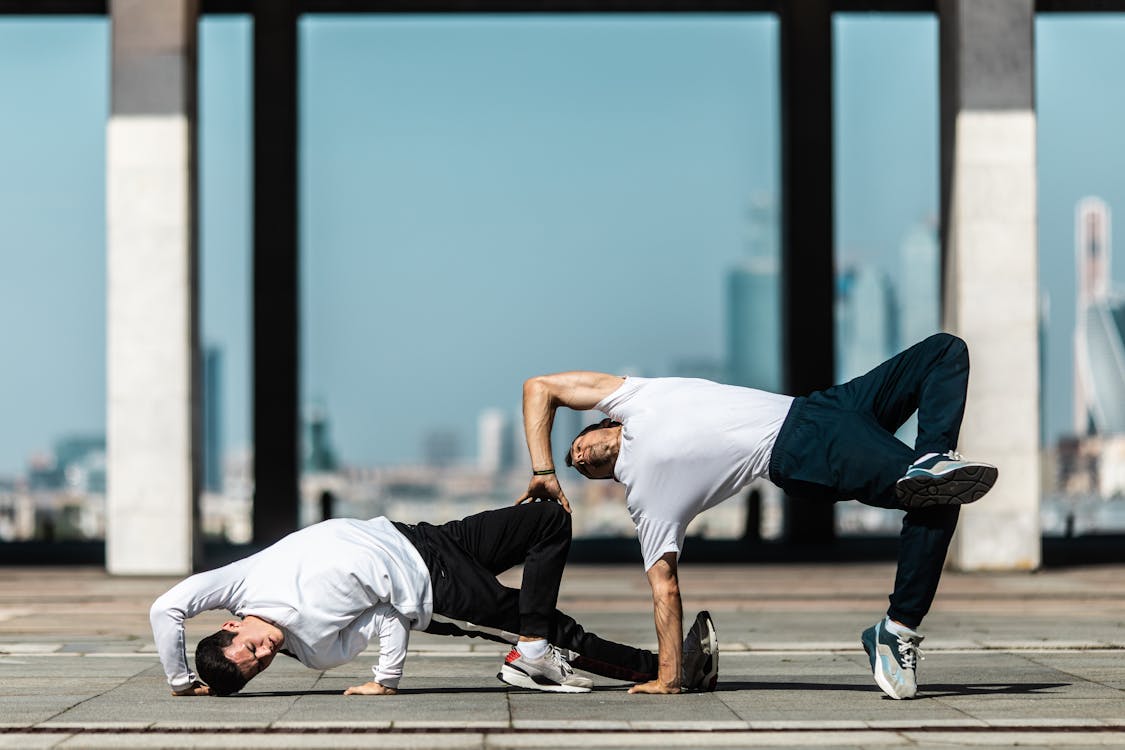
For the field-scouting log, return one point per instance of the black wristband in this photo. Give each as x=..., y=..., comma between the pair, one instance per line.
x=542, y=472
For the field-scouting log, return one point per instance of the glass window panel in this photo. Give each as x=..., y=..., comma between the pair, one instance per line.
x=54, y=85
x=886, y=192
x=225, y=242
x=1080, y=99
x=485, y=199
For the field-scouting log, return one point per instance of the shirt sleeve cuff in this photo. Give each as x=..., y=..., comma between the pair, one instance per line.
x=387, y=680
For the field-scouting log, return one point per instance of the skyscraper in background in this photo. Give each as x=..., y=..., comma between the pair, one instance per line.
x=753, y=291
x=495, y=438
x=319, y=456
x=1096, y=347
x=212, y=419
x=919, y=285
x=866, y=316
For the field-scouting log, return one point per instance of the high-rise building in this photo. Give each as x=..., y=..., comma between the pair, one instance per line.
x=495, y=437
x=919, y=285
x=1094, y=337
x=866, y=316
x=753, y=356
x=319, y=455
x=212, y=419
x=753, y=324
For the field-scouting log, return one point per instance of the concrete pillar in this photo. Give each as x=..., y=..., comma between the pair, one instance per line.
x=991, y=266
x=152, y=332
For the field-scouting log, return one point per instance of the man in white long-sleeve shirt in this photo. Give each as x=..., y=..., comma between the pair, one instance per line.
x=322, y=593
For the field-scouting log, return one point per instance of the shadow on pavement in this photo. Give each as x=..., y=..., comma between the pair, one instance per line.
x=409, y=691
x=926, y=691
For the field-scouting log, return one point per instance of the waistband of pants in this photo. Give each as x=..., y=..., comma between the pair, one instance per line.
x=780, y=446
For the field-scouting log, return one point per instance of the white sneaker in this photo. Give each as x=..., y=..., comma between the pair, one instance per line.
x=550, y=673
x=944, y=479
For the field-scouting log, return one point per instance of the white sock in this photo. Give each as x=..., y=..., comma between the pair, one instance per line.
x=894, y=628
x=533, y=649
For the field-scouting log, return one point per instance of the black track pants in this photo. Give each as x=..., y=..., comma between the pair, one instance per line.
x=464, y=557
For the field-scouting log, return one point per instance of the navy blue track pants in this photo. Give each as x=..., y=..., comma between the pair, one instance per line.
x=839, y=444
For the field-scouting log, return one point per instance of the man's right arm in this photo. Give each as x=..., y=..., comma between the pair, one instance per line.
x=199, y=593
x=663, y=577
x=542, y=395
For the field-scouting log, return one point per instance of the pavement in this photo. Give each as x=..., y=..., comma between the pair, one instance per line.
x=1028, y=660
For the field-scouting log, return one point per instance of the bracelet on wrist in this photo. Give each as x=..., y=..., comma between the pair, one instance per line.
x=542, y=472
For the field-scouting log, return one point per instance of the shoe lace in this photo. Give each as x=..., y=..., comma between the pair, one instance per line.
x=910, y=652
x=953, y=456
x=560, y=661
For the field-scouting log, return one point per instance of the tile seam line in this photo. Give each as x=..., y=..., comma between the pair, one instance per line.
x=453, y=729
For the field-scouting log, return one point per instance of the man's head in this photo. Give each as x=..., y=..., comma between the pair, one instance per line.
x=228, y=659
x=594, y=451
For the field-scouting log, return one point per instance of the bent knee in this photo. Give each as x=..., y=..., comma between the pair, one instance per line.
x=551, y=512
x=953, y=345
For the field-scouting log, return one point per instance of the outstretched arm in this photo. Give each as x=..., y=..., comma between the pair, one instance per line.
x=668, y=612
x=542, y=395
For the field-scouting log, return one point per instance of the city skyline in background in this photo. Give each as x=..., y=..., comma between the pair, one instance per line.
x=444, y=262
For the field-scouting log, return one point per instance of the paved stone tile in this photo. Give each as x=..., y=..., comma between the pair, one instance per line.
x=31, y=741
x=334, y=726
x=700, y=739
x=468, y=741
x=31, y=647
x=1018, y=739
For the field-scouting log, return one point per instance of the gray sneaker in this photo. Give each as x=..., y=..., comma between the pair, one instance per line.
x=894, y=659
x=944, y=479
x=550, y=673
x=701, y=655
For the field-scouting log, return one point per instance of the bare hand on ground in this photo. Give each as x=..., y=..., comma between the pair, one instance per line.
x=195, y=688
x=655, y=687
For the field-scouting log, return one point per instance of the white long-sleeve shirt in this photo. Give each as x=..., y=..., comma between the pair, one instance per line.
x=330, y=587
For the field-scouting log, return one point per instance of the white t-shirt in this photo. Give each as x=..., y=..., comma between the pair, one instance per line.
x=330, y=587
x=687, y=445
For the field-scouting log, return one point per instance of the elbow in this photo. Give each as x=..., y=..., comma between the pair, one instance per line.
x=536, y=389
x=666, y=589
x=533, y=386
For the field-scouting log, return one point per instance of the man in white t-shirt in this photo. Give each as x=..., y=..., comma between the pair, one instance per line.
x=683, y=445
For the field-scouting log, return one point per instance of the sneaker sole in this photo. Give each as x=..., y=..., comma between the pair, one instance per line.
x=711, y=648
x=516, y=678
x=880, y=678
x=958, y=487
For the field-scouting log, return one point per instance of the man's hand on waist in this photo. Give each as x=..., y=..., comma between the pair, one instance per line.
x=545, y=487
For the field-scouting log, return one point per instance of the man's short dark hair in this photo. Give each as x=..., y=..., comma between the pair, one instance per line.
x=213, y=666
x=605, y=424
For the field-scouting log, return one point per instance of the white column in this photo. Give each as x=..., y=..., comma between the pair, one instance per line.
x=153, y=399
x=991, y=268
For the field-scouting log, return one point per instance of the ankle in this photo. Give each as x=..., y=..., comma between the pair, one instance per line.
x=532, y=648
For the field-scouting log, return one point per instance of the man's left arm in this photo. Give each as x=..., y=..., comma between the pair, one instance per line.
x=668, y=612
x=394, y=635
